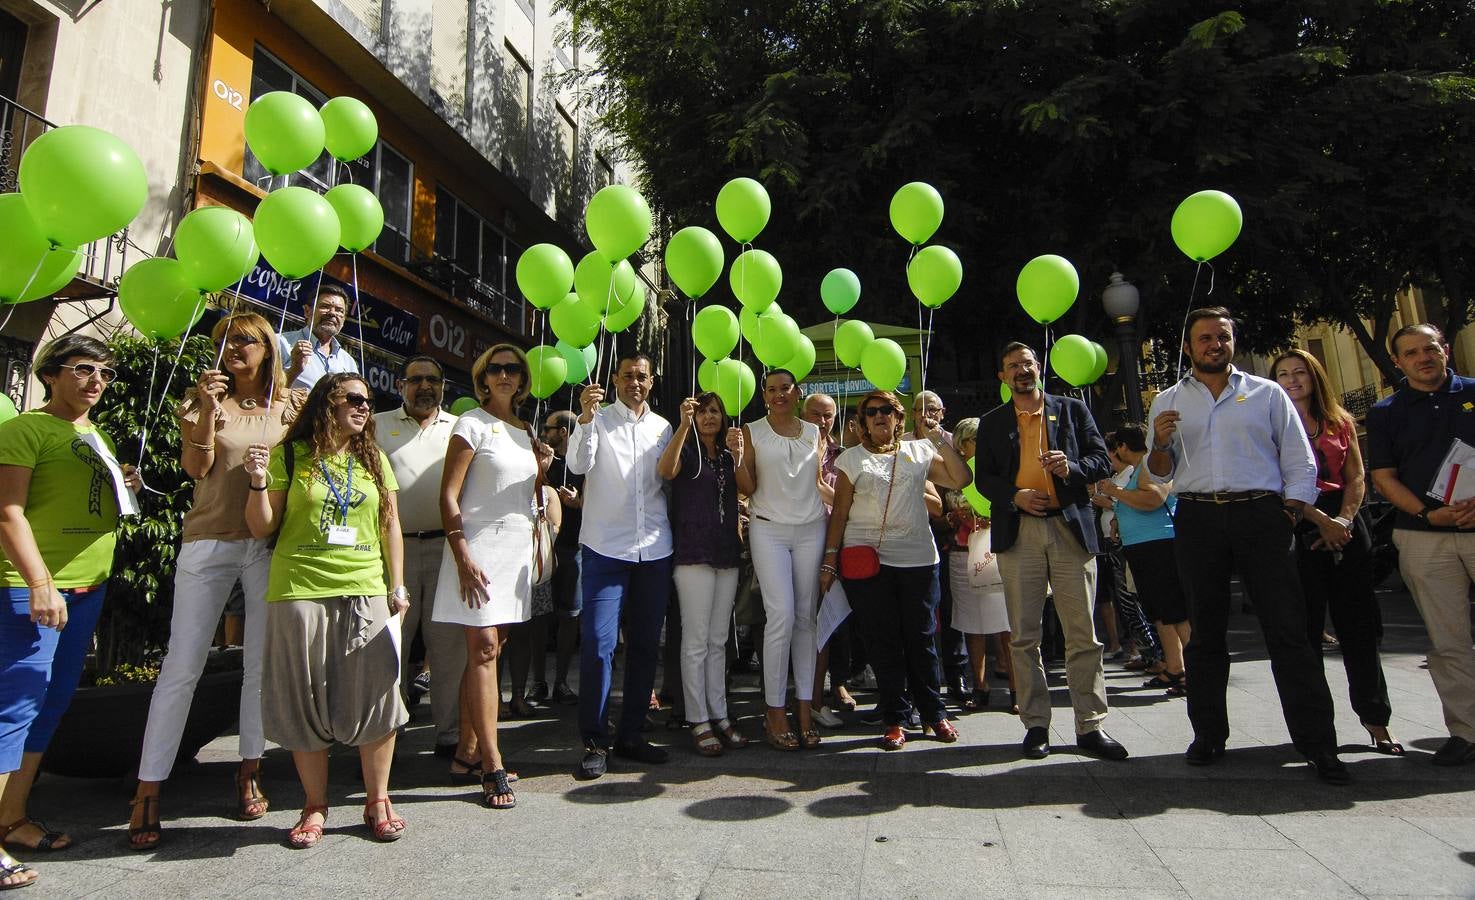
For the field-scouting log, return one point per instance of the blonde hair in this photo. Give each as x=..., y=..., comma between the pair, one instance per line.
x=966, y=430
x=479, y=373
x=271, y=375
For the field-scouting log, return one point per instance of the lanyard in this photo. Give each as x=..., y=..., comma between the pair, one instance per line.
x=341, y=500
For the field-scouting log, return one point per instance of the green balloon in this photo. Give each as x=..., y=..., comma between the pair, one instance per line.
x=618, y=221
x=30, y=267
x=463, y=405
x=157, y=298
x=545, y=274
x=1099, y=368
x=707, y=375
x=751, y=323
x=1206, y=224
x=297, y=230
x=1005, y=395
x=755, y=278
x=573, y=321
x=360, y=217
x=851, y=340
x=580, y=361
x=980, y=503
x=743, y=208
x=777, y=342
x=593, y=277
x=349, y=128
x=735, y=385
x=620, y=319
x=916, y=211
x=547, y=370
x=284, y=131
x=840, y=290
x=1073, y=358
x=934, y=275
x=883, y=363
x=714, y=330
x=1047, y=287
x=802, y=362
x=217, y=246
x=7, y=408
x=694, y=260
x=81, y=184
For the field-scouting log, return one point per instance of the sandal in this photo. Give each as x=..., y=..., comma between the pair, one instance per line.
x=730, y=735
x=251, y=803
x=979, y=699
x=390, y=828
x=1179, y=687
x=49, y=842
x=893, y=738
x=150, y=825
x=810, y=739
x=1013, y=702
x=706, y=741
x=306, y=834
x=472, y=775
x=1386, y=744
x=10, y=868
x=943, y=730
x=1163, y=679
x=494, y=786
x=785, y=740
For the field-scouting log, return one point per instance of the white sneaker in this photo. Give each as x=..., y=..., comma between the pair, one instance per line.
x=827, y=717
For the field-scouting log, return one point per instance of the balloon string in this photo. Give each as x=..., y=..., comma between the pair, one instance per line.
x=742, y=261
x=148, y=403
x=844, y=380
x=607, y=366
x=691, y=319
x=358, y=309
x=35, y=273
x=927, y=347
x=921, y=335
x=1183, y=331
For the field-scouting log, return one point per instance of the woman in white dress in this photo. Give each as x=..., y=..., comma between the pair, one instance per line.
x=486, y=503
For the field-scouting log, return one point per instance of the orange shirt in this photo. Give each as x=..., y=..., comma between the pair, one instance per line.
x=1033, y=441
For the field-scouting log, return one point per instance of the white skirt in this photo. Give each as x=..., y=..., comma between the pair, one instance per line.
x=504, y=551
x=975, y=611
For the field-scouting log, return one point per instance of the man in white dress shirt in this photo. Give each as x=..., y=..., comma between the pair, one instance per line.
x=415, y=437
x=625, y=542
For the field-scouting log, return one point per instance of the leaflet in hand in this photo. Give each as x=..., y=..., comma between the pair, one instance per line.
x=1456, y=478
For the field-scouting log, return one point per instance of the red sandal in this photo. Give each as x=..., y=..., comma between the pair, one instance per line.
x=390, y=828
x=944, y=731
x=893, y=738
x=306, y=834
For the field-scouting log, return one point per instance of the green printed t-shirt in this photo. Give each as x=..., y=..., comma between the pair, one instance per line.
x=304, y=565
x=71, y=506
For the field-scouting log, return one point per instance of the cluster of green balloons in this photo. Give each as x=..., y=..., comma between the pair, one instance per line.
x=288, y=134
x=731, y=380
x=1078, y=360
x=934, y=273
x=1206, y=224
x=214, y=248
x=880, y=360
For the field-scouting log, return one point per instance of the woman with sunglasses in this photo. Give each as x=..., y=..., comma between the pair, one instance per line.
x=880, y=505
x=488, y=506
x=1334, y=544
x=243, y=401
x=780, y=473
x=327, y=493
x=59, y=509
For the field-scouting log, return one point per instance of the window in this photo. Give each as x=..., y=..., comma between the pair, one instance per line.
x=478, y=255
x=269, y=74
x=519, y=89
x=604, y=173
x=568, y=143
x=393, y=185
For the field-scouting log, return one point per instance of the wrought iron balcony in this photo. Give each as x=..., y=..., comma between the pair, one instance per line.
x=1359, y=401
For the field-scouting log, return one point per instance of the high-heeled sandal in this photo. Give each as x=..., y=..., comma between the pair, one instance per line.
x=495, y=785
x=150, y=825
x=785, y=740
x=306, y=833
x=943, y=730
x=1386, y=746
x=391, y=827
x=1179, y=686
x=730, y=735
x=251, y=803
x=706, y=740
x=810, y=739
x=893, y=738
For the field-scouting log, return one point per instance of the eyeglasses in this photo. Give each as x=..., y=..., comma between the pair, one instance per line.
x=871, y=412
x=85, y=371
x=241, y=341
x=504, y=368
x=552, y=427
x=424, y=379
x=357, y=400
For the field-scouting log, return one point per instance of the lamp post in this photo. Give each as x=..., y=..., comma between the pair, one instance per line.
x=1121, y=300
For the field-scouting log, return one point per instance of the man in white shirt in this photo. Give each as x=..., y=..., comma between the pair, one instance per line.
x=625, y=542
x=415, y=437
x=315, y=351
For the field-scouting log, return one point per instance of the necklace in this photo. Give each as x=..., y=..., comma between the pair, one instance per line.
x=720, y=472
x=246, y=403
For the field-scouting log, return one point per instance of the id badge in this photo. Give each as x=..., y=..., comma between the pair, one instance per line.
x=343, y=535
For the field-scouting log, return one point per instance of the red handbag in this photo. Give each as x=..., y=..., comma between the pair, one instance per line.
x=862, y=561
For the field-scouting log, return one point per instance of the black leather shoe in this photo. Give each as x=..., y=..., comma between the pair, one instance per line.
x=1036, y=743
x=1203, y=753
x=1099, y=743
x=1456, y=752
x=1329, y=768
x=594, y=763
x=871, y=716
x=642, y=752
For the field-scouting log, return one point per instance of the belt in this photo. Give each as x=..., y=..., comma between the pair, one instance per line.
x=426, y=535
x=1226, y=496
x=1049, y=513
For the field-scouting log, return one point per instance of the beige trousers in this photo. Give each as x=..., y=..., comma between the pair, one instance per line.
x=445, y=642
x=1438, y=567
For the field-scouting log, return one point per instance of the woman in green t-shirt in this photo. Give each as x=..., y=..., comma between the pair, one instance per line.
x=332, y=664
x=58, y=514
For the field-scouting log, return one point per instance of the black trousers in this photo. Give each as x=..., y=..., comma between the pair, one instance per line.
x=897, y=611
x=1253, y=538
x=951, y=651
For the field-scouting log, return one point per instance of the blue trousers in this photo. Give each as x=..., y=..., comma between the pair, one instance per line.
x=40, y=668
x=640, y=591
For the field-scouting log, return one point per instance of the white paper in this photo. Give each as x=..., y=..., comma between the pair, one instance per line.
x=833, y=610
x=343, y=535
x=1456, y=478
x=393, y=625
x=127, y=502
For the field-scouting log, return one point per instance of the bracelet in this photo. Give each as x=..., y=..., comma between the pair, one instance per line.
x=253, y=487
x=451, y=534
x=1161, y=449
x=207, y=448
x=828, y=570
x=832, y=549
x=40, y=584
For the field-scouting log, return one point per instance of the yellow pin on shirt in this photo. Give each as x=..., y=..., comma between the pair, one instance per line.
x=1052, y=419
x=1469, y=407
x=394, y=434
x=1240, y=399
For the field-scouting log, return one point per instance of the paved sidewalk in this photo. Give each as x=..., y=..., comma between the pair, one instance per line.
x=970, y=819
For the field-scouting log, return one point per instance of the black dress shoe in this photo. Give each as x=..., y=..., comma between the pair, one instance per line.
x=1456, y=752
x=594, y=763
x=1203, y=753
x=1036, y=743
x=1099, y=743
x=1328, y=767
x=871, y=716
x=642, y=751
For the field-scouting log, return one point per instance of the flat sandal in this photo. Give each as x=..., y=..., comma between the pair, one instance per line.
x=729, y=734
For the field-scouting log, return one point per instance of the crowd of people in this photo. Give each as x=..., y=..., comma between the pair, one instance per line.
x=349, y=533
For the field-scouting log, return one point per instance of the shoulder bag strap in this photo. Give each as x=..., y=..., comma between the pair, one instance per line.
x=538, y=502
x=886, y=510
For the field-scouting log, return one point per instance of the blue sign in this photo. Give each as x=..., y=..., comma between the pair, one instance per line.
x=384, y=326
x=852, y=386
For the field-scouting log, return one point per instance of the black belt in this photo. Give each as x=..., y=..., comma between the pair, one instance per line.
x=1226, y=496
x=1049, y=513
x=426, y=535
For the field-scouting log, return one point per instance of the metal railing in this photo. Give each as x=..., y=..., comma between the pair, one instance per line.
x=1358, y=402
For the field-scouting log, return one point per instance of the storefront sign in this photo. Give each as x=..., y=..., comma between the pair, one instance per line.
x=852, y=386
x=384, y=326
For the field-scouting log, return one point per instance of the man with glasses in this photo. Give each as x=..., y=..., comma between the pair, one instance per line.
x=315, y=351
x=415, y=437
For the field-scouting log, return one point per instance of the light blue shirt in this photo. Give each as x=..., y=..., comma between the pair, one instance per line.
x=319, y=363
x=1250, y=439
x=1137, y=526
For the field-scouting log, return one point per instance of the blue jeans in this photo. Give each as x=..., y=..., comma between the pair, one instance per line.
x=640, y=590
x=40, y=668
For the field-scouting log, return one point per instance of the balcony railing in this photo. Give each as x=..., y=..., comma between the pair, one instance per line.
x=1358, y=402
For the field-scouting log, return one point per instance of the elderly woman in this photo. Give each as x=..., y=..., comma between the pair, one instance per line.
x=59, y=505
x=488, y=503
x=327, y=493
x=243, y=402
x=890, y=559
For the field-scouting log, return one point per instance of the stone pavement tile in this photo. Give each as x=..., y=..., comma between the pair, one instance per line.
x=1210, y=873
x=921, y=820
x=1180, y=831
x=931, y=867
x=69, y=880
x=1049, y=848
x=1069, y=892
x=796, y=842
x=1456, y=831
x=727, y=883
x=1380, y=855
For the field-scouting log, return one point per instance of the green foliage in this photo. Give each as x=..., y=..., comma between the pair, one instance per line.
x=134, y=628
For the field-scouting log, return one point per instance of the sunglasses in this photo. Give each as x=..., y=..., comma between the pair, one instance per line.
x=504, y=368
x=357, y=400
x=871, y=412
x=241, y=341
x=85, y=371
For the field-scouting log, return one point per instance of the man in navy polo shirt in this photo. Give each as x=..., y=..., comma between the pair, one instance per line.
x=1409, y=435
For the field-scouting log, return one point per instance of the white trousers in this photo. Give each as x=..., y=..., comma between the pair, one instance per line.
x=706, y=595
x=204, y=575
x=445, y=643
x=786, y=559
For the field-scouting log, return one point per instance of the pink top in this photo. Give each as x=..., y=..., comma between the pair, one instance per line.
x=1330, y=449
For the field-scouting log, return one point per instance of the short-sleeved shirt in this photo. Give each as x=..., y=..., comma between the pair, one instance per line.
x=703, y=535
x=71, y=505
x=1138, y=526
x=418, y=455
x=317, y=363
x=304, y=565
x=1412, y=430
x=219, y=509
x=908, y=539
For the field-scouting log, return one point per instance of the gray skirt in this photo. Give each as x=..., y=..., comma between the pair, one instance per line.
x=331, y=673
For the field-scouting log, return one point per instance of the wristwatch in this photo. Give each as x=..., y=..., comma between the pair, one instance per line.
x=400, y=593
x=1423, y=515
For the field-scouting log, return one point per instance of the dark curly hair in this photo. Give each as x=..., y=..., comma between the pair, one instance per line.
x=316, y=427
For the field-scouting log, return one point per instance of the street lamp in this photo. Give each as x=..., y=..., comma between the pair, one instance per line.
x=1122, y=301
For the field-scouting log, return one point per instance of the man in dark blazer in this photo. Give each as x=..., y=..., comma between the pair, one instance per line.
x=1036, y=459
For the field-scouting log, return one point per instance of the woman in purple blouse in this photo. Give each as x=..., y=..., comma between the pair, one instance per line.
x=704, y=514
